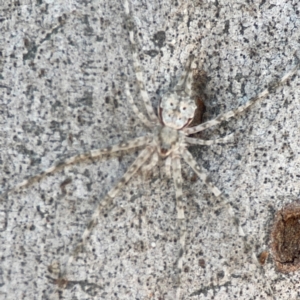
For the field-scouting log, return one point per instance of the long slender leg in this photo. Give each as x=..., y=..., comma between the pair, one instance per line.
x=152, y=163
x=186, y=79
x=168, y=163
x=177, y=177
x=137, y=67
x=194, y=141
x=187, y=156
x=108, y=202
x=138, y=142
x=241, y=108
x=136, y=111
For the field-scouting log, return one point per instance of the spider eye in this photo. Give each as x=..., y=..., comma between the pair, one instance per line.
x=184, y=108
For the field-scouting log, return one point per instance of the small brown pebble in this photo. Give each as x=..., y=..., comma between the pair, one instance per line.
x=263, y=256
x=285, y=238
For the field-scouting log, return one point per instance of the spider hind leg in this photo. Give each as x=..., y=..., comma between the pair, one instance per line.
x=107, y=202
x=134, y=143
x=187, y=156
x=177, y=178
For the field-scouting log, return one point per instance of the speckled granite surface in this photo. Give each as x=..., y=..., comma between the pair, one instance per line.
x=63, y=65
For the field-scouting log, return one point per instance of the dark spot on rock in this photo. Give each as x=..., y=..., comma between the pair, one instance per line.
x=159, y=39
x=151, y=53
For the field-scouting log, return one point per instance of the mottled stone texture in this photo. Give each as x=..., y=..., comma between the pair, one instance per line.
x=63, y=65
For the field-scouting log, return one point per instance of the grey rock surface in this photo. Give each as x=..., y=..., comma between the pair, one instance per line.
x=63, y=65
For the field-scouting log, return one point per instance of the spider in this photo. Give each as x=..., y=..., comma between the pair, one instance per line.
x=169, y=140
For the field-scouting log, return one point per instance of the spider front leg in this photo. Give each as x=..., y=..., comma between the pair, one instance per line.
x=137, y=66
x=136, y=111
x=186, y=79
x=107, y=202
x=187, y=156
x=234, y=112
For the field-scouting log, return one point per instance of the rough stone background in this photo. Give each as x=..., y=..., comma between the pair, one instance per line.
x=63, y=65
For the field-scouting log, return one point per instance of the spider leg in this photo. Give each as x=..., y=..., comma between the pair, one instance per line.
x=136, y=111
x=186, y=79
x=137, y=67
x=138, y=142
x=107, y=202
x=153, y=162
x=187, y=156
x=226, y=139
x=234, y=112
x=168, y=163
x=177, y=177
